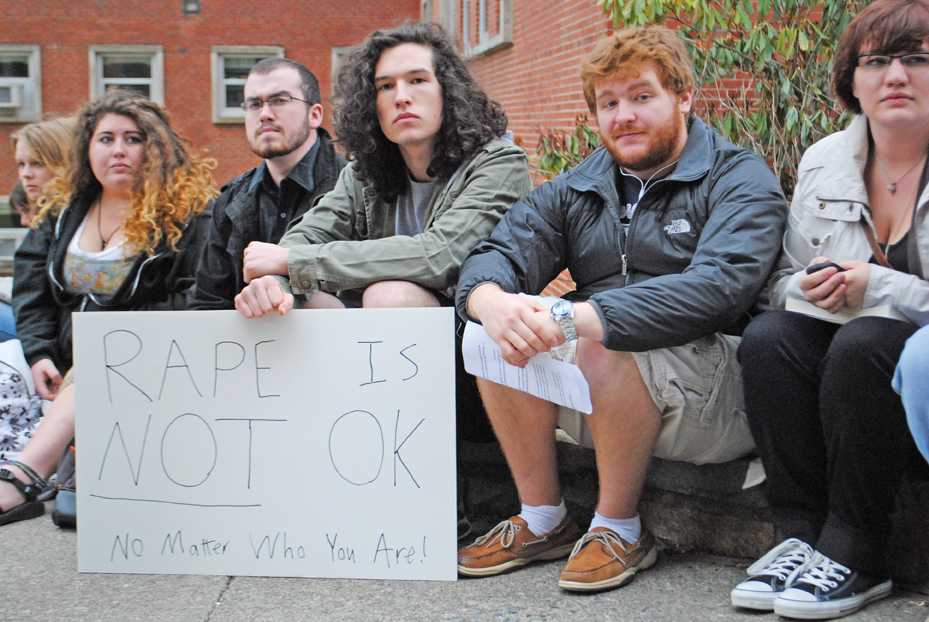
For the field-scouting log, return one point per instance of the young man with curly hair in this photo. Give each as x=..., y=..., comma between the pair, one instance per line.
x=283, y=114
x=669, y=232
x=430, y=177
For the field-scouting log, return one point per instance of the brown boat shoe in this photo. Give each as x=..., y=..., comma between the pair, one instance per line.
x=511, y=544
x=601, y=560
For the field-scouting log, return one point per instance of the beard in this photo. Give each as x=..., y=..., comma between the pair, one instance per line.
x=664, y=143
x=276, y=149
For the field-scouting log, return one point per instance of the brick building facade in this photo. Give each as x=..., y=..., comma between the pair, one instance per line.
x=68, y=47
x=536, y=76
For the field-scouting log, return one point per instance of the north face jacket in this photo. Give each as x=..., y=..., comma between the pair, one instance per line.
x=699, y=248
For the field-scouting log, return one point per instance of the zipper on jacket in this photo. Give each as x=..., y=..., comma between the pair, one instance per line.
x=628, y=236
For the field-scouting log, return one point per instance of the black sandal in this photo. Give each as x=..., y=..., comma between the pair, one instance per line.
x=31, y=507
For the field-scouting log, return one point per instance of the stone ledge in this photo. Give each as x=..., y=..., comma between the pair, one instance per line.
x=690, y=507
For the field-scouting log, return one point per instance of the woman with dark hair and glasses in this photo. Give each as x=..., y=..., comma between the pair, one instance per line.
x=120, y=230
x=830, y=430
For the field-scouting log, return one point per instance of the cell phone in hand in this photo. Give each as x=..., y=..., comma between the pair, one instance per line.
x=816, y=267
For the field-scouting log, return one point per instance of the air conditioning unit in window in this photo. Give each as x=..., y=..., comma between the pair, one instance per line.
x=11, y=98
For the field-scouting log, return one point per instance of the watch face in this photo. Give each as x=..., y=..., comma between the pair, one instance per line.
x=562, y=308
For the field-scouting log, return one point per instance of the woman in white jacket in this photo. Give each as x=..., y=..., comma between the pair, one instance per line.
x=830, y=430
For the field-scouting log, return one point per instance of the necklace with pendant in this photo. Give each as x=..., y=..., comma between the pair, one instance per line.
x=892, y=185
x=104, y=240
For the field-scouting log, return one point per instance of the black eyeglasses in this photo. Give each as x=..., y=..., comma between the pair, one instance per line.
x=880, y=62
x=255, y=104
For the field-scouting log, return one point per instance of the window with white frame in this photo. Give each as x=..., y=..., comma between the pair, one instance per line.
x=339, y=56
x=230, y=66
x=133, y=67
x=20, y=83
x=483, y=25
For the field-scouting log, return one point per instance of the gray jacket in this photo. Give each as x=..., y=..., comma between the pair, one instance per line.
x=825, y=220
x=699, y=249
x=347, y=241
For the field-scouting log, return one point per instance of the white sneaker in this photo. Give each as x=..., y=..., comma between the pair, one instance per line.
x=774, y=572
x=827, y=589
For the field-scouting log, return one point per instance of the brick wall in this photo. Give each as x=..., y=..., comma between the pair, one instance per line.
x=66, y=28
x=537, y=78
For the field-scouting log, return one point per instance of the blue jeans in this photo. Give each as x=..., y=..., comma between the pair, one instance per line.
x=7, y=323
x=911, y=381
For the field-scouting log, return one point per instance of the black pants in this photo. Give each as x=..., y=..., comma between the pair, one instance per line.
x=831, y=432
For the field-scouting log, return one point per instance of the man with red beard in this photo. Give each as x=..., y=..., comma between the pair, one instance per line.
x=669, y=232
x=283, y=114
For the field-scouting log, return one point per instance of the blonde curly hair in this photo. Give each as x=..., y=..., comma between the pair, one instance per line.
x=173, y=185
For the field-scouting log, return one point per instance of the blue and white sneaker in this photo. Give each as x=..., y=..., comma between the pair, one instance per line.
x=774, y=572
x=827, y=589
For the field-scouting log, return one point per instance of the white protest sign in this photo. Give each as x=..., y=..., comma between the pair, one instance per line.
x=319, y=444
x=543, y=376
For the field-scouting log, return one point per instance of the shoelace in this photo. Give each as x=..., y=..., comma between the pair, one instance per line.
x=607, y=538
x=821, y=572
x=785, y=561
x=506, y=530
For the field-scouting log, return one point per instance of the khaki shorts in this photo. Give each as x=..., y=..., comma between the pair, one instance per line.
x=697, y=387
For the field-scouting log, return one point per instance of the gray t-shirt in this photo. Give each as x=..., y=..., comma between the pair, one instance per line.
x=412, y=206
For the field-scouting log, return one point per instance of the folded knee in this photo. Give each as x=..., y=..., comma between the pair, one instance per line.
x=596, y=361
x=397, y=294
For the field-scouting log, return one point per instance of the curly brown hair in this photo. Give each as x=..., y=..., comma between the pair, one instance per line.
x=469, y=118
x=173, y=185
x=886, y=27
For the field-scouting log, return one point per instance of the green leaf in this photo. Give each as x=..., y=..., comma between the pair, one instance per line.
x=792, y=116
x=804, y=41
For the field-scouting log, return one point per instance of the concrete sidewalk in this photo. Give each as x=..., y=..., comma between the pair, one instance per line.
x=40, y=582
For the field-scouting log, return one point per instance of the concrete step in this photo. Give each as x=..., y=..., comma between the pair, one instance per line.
x=688, y=507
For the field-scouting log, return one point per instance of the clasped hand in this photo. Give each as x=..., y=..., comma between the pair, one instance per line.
x=47, y=379
x=519, y=324
x=831, y=289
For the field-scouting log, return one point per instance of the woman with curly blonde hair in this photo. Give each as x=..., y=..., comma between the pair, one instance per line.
x=120, y=230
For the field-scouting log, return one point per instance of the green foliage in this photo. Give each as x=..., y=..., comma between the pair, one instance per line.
x=559, y=150
x=779, y=52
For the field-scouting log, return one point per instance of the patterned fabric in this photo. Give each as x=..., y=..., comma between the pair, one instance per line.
x=20, y=410
x=88, y=272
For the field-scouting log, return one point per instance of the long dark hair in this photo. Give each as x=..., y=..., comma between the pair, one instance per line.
x=469, y=117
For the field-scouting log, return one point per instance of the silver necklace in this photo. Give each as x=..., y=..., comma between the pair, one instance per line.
x=892, y=185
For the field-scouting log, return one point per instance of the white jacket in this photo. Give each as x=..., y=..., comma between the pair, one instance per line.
x=828, y=204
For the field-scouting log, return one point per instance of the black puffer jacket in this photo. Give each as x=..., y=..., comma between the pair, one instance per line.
x=157, y=282
x=699, y=249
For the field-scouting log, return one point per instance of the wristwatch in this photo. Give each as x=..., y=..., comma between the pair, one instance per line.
x=563, y=313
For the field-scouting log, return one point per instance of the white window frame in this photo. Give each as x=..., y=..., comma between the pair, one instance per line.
x=155, y=54
x=29, y=89
x=486, y=42
x=337, y=59
x=222, y=113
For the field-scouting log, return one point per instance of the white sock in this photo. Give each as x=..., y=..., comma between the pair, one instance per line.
x=629, y=529
x=542, y=519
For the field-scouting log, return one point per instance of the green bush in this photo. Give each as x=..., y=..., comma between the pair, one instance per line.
x=781, y=50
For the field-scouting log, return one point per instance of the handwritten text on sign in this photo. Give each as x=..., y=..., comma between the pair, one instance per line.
x=318, y=444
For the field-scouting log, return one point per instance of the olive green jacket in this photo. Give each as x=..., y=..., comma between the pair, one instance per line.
x=347, y=241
